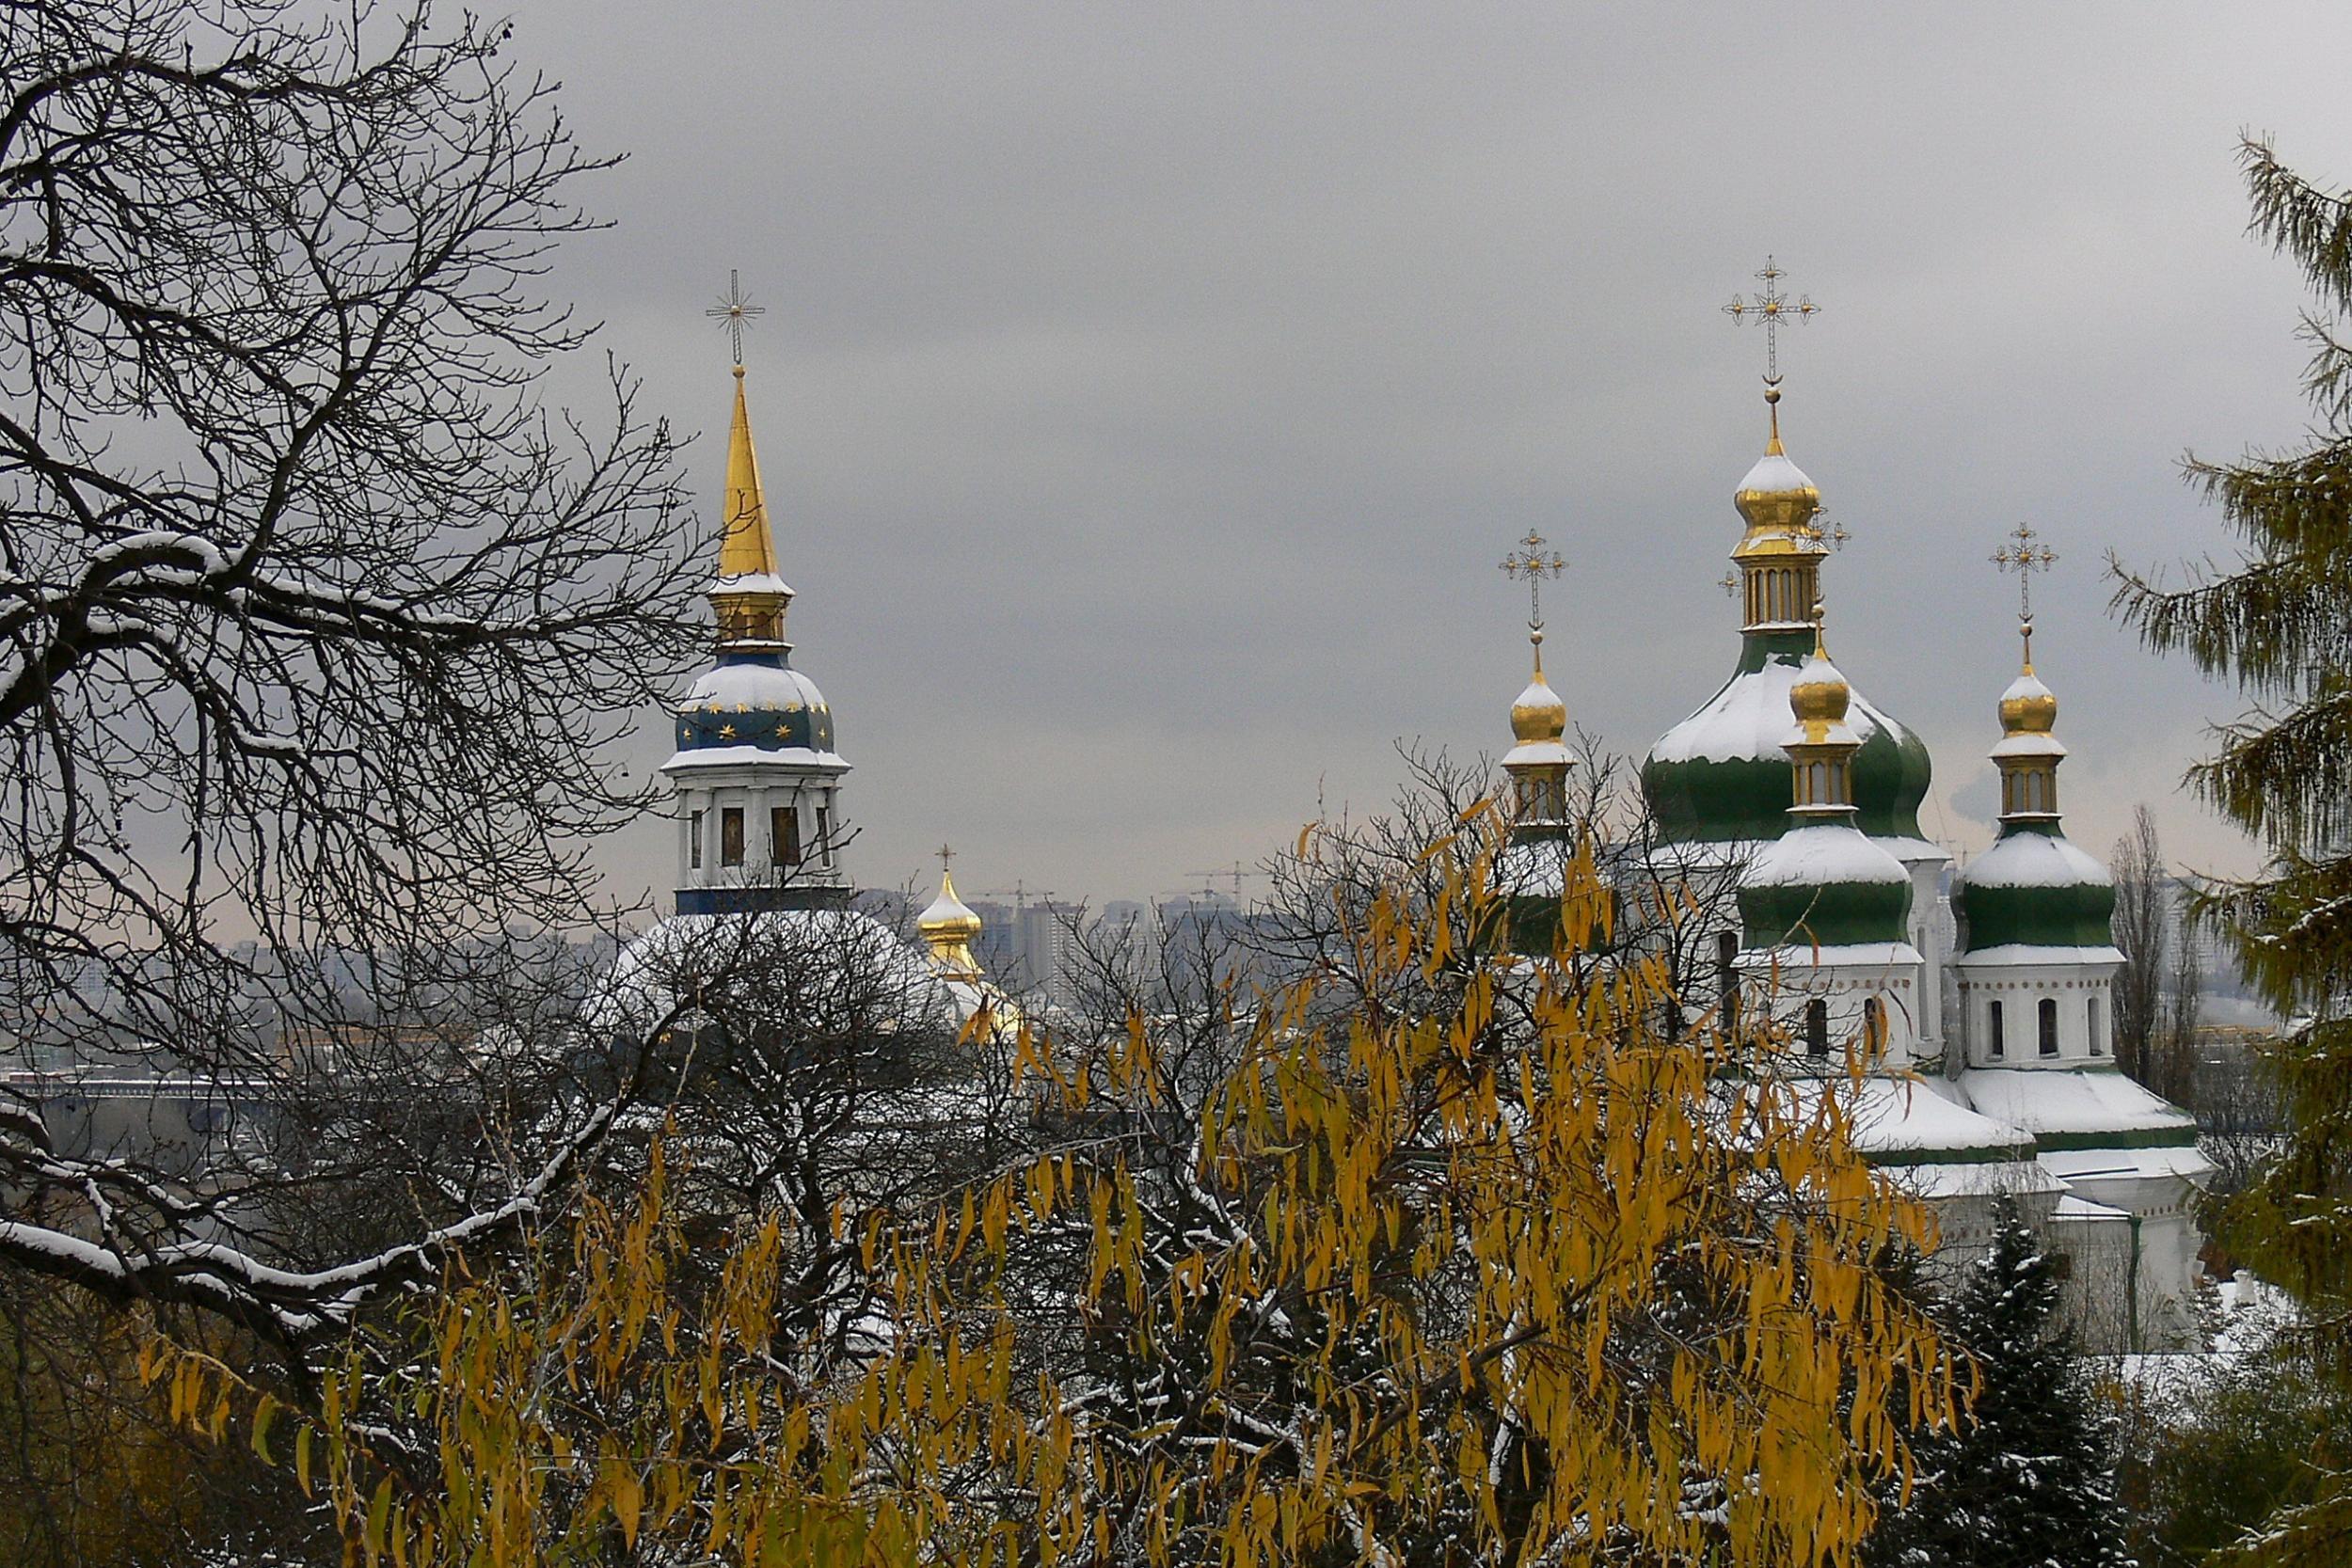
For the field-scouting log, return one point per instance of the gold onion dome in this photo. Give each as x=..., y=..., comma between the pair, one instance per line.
x=2028, y=707
x=1778, y=497
x=948, y=919
x=1538, y=715
x=1820, y=697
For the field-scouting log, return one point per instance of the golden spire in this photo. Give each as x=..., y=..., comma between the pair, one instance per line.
x=745, y=548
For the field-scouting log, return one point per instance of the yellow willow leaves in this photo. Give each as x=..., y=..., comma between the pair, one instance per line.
x=1412, y=1281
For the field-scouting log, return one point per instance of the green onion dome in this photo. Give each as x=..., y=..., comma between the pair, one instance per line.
x=1823, y=884
x=1720, y=774
x=2034, y=888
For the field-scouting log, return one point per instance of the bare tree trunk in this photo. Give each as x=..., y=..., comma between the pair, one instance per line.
x=2175, y=1074
x=2142, y=927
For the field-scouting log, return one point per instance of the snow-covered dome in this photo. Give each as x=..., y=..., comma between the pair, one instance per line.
x=755, y=699
x=1721, y=773
x=821, y=968
x=2035, y=887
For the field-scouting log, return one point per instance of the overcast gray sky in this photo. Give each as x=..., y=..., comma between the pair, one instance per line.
x=1147, y=394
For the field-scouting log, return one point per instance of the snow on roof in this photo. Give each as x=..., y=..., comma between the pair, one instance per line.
x=2025, y=954
x=1937, y=1181
x=740, y=756
x=1919, y=1116
x=2072, y=1207
x=1823, y=853
x=872, y=965
x=1849, y=955
x=1750, y=718
x=756, y=583
x=761, y=687
x=2033, y=860
x=2184, y=1160
x=1532, y=752
x=2027, y=744
x=2080, y=1101
x=1775, y=473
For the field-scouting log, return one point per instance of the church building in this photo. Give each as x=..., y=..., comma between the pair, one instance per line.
x=1984, y=1014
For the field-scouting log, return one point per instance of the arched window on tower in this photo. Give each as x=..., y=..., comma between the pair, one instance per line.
x=2046, y=1025
x=1993, y=1044
x=1873, y=1025
x=1816, y=1027
x=2097, y=1025
x=694, y=840
x=784, y=834
x=731, y=836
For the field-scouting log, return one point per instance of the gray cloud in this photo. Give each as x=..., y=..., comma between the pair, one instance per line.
x=1148, y=393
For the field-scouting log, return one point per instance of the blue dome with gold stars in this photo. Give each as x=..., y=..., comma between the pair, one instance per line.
x=755, y=699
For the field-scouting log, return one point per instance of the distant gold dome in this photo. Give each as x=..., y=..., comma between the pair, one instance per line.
x=949, y=923
x=1539, y=714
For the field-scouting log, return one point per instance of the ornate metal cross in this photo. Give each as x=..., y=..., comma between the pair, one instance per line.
x=2028, y=557
x=1771, y=307
x=1533, y=563
x=1729, y=583
x=944, y=855
x=733, y=312
x=1834, y=535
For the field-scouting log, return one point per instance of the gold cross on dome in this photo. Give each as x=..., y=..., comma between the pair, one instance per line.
x=944, y=854
x=1771, y=307
x=1729, y=583
x=1834, y=535
x=2028, y=557
x=1533, y=563
x=735, y=312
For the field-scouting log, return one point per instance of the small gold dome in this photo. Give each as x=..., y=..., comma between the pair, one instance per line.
x=1539, y=714
x=2028, y=707
x=1821, y=697
x=949, y=921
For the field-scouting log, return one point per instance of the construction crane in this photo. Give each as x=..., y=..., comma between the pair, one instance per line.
x=1238, y=871
x=1020, y=892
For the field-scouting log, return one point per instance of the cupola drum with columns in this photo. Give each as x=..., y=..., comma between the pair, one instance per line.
x=756, y=778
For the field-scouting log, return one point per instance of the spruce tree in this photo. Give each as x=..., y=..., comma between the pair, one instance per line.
x=2278, y=621
x=2025, y=1478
